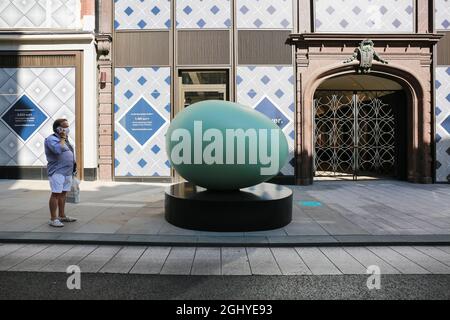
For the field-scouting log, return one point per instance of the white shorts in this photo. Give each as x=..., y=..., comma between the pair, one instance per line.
x=60, y=183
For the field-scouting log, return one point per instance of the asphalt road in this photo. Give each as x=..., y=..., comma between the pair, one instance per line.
x=23, y=285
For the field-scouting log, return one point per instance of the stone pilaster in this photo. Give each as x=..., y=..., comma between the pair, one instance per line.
x=105, y=106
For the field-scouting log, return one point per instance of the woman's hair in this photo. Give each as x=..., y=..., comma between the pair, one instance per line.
x=58, y=123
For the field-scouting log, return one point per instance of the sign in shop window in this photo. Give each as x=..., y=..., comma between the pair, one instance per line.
x=24, y=117
x=142, y=121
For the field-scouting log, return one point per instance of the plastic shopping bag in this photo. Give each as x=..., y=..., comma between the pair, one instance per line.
x=73, y=196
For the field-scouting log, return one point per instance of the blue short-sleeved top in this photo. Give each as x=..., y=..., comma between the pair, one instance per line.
x=60, y=158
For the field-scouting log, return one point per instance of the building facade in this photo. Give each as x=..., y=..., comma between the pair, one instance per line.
x=48, y=70
x=121, y=70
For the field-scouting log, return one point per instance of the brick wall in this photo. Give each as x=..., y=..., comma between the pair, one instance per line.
x=105, y=108
x=88, y=14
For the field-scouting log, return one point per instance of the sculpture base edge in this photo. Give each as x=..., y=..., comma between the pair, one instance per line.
x=262, y=207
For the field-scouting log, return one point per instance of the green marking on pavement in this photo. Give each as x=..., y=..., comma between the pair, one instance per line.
x=311, y=204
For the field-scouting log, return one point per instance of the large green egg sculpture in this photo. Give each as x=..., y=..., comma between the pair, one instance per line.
x=222, y=145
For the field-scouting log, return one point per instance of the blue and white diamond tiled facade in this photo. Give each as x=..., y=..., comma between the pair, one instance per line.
x=142, y=116
x=203, y=14
x=442, y=14
x=264, y=14
x=364, y=16
x=141, y=14
x=443, y=124
x=30, y=99
x=40, y=14
x=270, y=90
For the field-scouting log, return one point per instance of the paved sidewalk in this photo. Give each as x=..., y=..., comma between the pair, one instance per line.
x=327, y=213
x=421, y=260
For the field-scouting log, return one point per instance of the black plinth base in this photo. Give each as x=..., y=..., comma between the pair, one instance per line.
x=262, y=207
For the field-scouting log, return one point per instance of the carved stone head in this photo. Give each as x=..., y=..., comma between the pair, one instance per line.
x=366, y=44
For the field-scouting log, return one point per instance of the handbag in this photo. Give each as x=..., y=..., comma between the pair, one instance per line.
x=73, y=196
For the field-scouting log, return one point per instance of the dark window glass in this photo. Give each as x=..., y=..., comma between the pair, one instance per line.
x=204, y=77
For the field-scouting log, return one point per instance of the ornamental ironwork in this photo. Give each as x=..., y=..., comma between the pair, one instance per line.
x=354, y=134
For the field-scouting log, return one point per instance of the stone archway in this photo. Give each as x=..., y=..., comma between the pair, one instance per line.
x=319, y=60
x=418, y=146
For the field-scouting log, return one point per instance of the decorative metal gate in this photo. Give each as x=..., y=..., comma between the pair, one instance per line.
x=354, y=134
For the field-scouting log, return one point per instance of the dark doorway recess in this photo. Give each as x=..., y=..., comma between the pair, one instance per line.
x=360, y=134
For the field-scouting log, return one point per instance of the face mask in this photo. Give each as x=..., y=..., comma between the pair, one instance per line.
x=66, y=130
